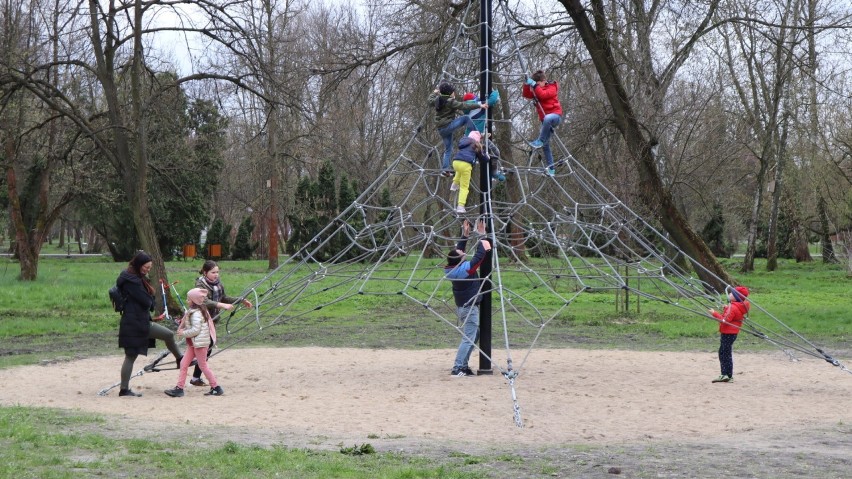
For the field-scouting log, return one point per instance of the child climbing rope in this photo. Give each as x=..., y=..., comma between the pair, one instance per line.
x=493, y=154
x=470, y=152
x=478, y=114
x=447, y=121
x=545, y=95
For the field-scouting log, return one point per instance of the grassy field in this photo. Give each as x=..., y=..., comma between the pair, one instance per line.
x=46, y=444
x=66, y=314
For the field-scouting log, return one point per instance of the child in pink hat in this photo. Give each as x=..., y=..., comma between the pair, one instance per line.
x=469, y=152
x=199, y=330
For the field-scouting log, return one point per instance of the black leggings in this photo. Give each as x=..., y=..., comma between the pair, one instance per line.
x=726, y=354
x=157, y=331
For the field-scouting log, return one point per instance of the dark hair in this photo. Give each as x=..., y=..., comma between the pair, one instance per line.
x=138, y=261
x=538, y=75
x=207, y=266
x=446, y=89
x=135, y=266
x=453, y=257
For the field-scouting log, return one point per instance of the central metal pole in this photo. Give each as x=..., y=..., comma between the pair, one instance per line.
x=485, y=45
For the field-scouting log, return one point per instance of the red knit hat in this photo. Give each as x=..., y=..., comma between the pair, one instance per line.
x=468, y=96
x=740, y=293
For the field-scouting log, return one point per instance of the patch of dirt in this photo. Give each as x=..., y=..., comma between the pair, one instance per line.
x=586, y=413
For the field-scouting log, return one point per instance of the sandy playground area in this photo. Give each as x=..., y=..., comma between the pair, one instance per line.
x=320, y=396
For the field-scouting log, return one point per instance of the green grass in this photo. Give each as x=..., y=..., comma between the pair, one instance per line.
x=66, y=312
x=46, y=443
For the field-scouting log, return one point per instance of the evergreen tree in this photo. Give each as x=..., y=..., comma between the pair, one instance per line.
x=219, y=233
x=828, y=255
x=345, y=198
x=185, y=150
x=346, y=195
x=713, y=233
x=302, y=207
x=243, y=247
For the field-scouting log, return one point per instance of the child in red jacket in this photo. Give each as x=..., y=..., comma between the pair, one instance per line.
x=730, y=322
x=545, y=95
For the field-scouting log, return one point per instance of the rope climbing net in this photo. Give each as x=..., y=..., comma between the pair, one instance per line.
x=562, y=242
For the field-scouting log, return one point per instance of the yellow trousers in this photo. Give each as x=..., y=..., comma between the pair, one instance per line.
x=463, y=171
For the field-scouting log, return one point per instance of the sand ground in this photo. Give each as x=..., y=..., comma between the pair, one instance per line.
x=406, y=400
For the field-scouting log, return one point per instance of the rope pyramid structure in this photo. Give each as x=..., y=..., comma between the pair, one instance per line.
x=559, y=242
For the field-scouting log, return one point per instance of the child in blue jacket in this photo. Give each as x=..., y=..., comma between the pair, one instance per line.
x=470, y=152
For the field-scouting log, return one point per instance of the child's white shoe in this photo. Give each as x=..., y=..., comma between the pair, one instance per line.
x=454, y=187
x=460, y=209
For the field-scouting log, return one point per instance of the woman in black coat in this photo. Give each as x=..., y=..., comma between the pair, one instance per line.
x=136, y=332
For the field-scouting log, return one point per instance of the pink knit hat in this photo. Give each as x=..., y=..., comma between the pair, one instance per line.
x=475, y=135
x=197, y=296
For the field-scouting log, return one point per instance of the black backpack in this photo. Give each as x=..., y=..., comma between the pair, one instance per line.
x=117, y=299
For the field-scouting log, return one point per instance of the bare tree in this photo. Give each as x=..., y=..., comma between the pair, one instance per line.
x=37, y=149
x=639, y=144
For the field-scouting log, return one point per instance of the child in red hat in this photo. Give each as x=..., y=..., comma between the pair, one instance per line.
x=730, y=322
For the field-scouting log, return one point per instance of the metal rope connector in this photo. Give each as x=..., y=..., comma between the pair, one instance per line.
x=516, y=408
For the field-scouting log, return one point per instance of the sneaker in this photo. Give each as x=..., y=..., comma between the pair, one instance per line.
x=447, y=173
x=460, y=209
x=723, y=379
x=499, y=177
x=454, y=187
x=461, y=372
x=550, y=171
x=536, y=143
x=174, y=392
x=217, y=391
x=128, y=393
x=197, y=382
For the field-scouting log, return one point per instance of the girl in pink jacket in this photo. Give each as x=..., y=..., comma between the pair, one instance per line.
x=730, y=322
x=199, y=330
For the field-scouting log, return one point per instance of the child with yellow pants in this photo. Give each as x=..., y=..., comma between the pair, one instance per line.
x=469, y=152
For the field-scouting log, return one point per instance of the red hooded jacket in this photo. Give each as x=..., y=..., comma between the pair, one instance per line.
x=547, y=97
x=732, y=317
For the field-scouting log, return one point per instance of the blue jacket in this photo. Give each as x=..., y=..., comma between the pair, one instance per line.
x=466, y=151
x=478, y=114
x=465, y=276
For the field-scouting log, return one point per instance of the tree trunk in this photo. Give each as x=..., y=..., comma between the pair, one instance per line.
x=828, y=255
x=132, y=166
x=23, y=249
x=751, y=239
x=274, y=180
x=651, y=187
x=772, y=240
